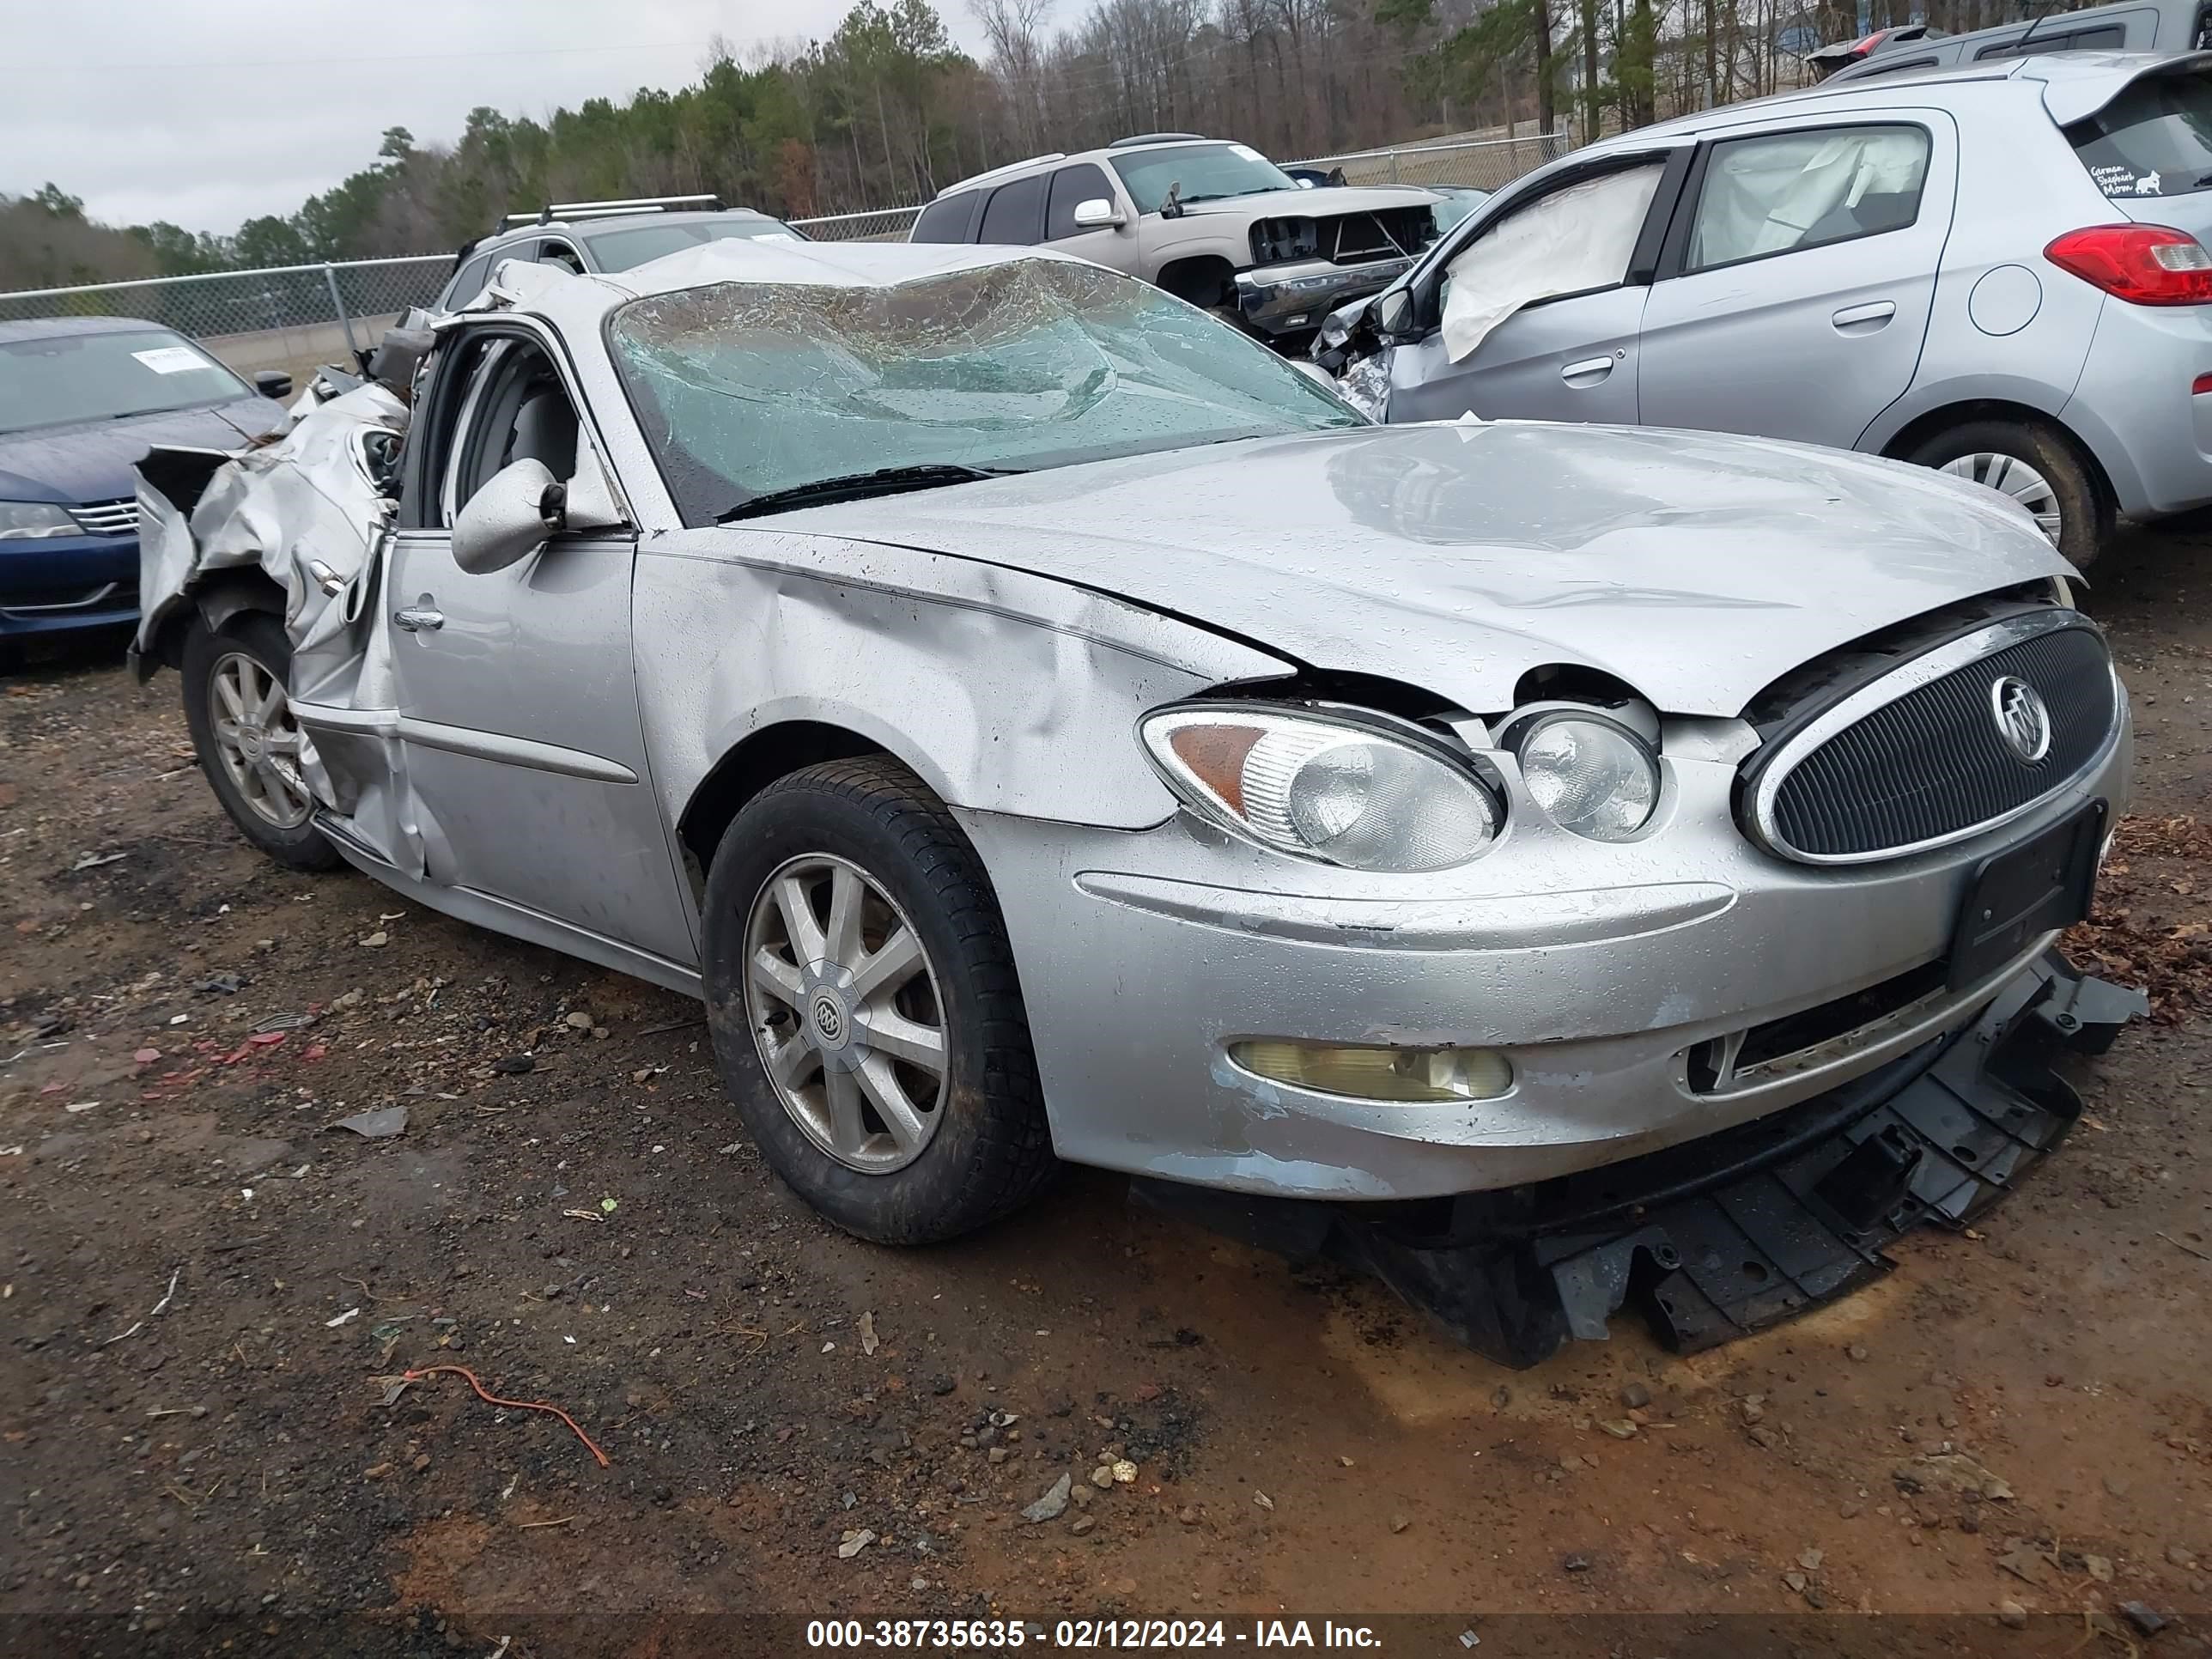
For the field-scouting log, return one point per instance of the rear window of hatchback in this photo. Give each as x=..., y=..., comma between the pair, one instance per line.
x=2154, y=140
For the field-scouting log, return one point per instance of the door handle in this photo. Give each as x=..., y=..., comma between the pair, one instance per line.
x=417, y=619
x=1864, y=320
x=1589, y=372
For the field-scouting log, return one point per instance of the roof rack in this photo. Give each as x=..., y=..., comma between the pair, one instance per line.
x=1158, y=138
x=993, y=173
x=552, y=210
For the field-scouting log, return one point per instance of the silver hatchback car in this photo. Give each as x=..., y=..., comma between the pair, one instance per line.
x=1997, y=270
x=1041, y=723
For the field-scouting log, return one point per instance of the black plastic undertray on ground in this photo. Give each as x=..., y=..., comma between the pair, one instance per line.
x=1738, y=1231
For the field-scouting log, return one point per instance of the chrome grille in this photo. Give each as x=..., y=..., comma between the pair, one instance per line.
x=108, y=518
x=1920, y=757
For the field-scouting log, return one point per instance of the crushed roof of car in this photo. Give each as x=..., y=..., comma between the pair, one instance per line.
x=588, y=225
x=818, y=264
x=47, y=328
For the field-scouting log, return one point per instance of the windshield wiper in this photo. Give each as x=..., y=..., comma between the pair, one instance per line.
x=854, y=486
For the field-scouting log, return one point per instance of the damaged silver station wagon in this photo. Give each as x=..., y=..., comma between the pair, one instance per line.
x=1550, y=866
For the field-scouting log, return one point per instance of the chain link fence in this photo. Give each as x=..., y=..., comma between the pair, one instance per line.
x=295, y=316
x=290, y=316
x=1474, y=164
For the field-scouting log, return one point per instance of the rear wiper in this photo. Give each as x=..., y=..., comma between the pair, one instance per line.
x=853, y=486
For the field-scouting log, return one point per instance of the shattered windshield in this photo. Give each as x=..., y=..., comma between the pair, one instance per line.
x=60, y=379
x=1206, y=173
x=748, y=390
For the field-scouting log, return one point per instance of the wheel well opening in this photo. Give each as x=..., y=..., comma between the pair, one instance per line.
x=216, y=601
x=1922, y=428
x=771, y=753
x=1205, y=279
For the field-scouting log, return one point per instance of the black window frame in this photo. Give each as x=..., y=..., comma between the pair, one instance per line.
x=458, y=290
x=971, y=203
x=1052, y=197
x=1037, y=181
x=2026, y=45
x=1674, y=259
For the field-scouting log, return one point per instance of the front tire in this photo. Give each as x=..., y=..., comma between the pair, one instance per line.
x=865, y=1015
x=248, y=743
x=2036, y=467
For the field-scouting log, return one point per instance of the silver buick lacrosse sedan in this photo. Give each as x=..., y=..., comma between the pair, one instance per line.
x=1546, y=866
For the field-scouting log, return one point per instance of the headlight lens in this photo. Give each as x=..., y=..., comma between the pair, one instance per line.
x=1324, y=788
x=1589, y=776
x=32, y=520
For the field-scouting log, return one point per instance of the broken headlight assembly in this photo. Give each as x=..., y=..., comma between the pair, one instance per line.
x=1591, y=773
x=1365, y=795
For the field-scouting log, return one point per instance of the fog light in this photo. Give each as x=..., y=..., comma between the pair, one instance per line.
x=1362, y=1072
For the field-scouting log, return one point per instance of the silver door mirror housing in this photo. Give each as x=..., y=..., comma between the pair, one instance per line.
x=1096, y=213
x=509, y=519
x=1391, y=313
x=1314, y=371
x=522, y=504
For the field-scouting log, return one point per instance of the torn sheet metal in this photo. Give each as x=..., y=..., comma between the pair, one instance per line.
x=309, y=510
x=1735, y=1232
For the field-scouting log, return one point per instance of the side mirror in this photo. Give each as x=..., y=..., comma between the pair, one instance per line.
x=1315, y=372
x=272, y=383
x=509, y=519
x=1096, y=213
x=1393, y=314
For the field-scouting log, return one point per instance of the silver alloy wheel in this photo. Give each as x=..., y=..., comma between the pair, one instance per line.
x=258, y=741
x=845, y=1012
x=2011, y=476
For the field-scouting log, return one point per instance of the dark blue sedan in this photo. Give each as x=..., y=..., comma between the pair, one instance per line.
x=81, y=399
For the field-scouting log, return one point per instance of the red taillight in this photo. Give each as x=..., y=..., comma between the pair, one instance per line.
x=2200, y=385
x=2143, y=264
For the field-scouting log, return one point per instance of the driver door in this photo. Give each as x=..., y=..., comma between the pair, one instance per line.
x=518, y=700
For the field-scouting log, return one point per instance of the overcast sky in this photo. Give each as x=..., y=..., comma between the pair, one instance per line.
x=207, y=112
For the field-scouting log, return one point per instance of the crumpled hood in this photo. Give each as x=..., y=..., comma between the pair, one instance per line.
x=1696, y=567
x=94, y=461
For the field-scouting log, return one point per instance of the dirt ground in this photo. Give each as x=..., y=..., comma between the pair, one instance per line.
x=206, y=1292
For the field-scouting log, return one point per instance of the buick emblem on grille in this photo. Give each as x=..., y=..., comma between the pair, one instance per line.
x=2022, y=720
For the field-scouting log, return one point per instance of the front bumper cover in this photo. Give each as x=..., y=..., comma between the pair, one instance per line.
x=1295, y=297
x=1721, y=1236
